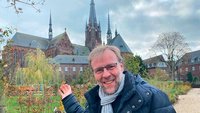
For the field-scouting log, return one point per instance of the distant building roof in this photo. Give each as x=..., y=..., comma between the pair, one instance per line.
x=155, y=59
x=26, y=40
x=120, y=43
x=70, y=59
x=193, y=57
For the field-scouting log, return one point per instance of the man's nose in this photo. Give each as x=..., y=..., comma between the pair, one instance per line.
x=106, y=73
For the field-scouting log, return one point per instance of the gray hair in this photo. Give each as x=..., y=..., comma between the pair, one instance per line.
x=100, y=49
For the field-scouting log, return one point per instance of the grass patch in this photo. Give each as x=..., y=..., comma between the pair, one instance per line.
x=171, y=88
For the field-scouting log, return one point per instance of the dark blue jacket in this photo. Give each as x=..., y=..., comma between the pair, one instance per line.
x=137, y=96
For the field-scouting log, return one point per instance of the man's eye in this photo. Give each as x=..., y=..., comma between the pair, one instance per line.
x=99, y=70
x=110, y=67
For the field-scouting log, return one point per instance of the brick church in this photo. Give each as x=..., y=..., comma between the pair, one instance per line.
x=72, y=58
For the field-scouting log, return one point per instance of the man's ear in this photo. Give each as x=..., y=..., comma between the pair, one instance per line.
x=122, y=65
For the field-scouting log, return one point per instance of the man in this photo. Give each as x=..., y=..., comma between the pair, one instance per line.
x=118, y=91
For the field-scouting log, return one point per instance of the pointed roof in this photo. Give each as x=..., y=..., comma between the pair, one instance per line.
x=109, y=30
x=50, y=24
x=120, y=43
x=92, y=17
x=116, y=32
x=58, y=38
x=50, y=28
x=26, y=40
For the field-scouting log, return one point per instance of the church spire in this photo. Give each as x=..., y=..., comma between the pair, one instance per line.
x=116, y=33
x=109, y=33
x=92, y=17
x=50, y=28
x=92, y=29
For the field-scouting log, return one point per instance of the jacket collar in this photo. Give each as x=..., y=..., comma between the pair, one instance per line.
x=92, y=95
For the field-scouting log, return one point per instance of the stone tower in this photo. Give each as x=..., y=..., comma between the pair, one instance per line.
x=92, y=29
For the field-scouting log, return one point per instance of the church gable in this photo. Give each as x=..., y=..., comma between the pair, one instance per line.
x=120, y=43
x=63, y=45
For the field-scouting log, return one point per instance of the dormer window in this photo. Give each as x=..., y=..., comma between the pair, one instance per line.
x=196, y=59
x=73, y=59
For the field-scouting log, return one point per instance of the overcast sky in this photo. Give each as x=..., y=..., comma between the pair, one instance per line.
x=139, y=22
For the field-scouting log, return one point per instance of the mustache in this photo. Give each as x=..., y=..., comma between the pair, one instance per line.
x=109, y=78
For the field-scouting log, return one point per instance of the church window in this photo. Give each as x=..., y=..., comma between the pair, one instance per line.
x=15, y=56
x=22, y=58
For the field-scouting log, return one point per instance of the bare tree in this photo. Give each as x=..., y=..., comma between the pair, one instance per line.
x=33, y=3
x=172, y=46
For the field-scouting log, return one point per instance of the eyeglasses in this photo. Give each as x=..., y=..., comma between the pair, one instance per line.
x=108, y=67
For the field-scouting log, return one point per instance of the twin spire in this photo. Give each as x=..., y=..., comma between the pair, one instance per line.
x=92, y=16
x=50, y=28
x=92, y=23
x=109, y=33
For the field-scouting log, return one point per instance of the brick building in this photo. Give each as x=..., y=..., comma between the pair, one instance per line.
x=190, y=62
x=154, y=63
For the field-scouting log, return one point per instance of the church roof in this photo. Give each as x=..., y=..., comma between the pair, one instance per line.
x=70, y=59
x=120, y=43
x=26, y=40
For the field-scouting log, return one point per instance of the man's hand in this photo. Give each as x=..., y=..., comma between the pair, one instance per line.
x=65, y=90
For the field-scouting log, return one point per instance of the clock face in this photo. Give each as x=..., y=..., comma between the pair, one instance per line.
x=50, y=33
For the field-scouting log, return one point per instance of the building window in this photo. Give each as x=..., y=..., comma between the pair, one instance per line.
x=74, y=68
x=154, y=64
x=22, y=58
x=15, y=56
x=66, y=68
x=186, y=69
x=196, y=59
x=193, y=68
x=60, y=69
x=81, y=68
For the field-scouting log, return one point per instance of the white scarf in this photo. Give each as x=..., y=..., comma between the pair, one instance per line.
x=106, y=99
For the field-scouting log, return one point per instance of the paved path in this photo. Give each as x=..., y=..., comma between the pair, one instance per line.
x=189, y=103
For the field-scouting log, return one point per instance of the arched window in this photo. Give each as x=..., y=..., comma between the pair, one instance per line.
x=15, y=56
x=22, y=58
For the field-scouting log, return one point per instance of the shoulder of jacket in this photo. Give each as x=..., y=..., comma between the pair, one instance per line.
x=158, y=97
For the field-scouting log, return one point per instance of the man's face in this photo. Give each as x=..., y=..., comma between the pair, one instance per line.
x=107, y=71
